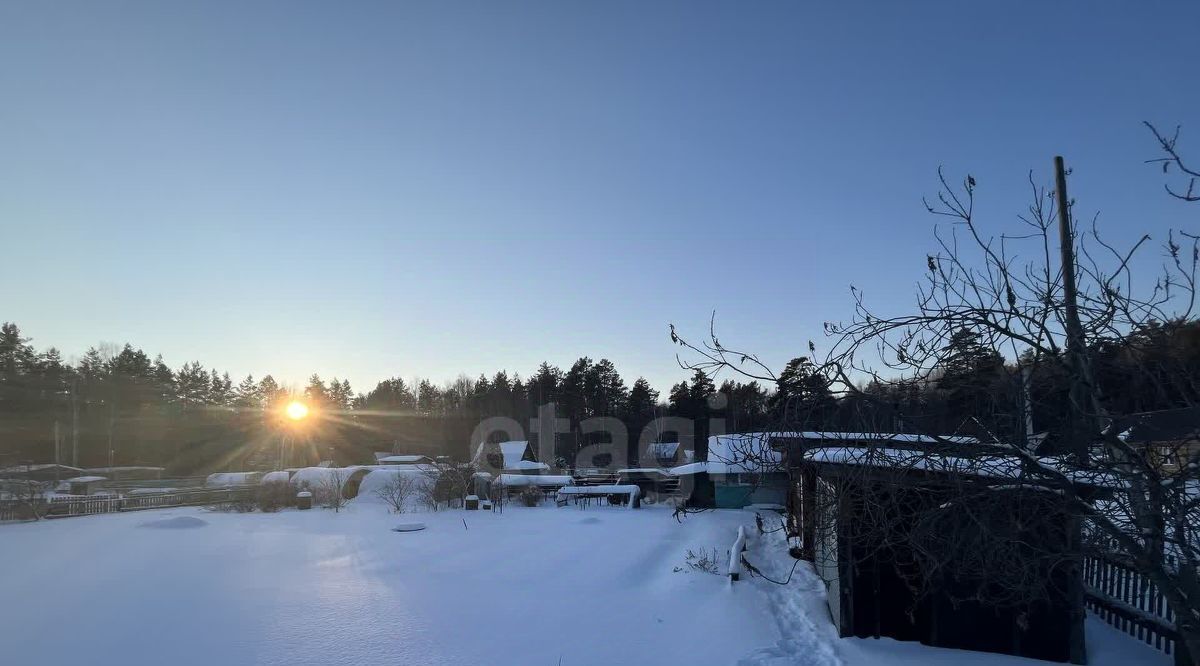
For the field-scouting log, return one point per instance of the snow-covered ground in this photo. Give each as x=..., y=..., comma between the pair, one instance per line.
x=543, y=585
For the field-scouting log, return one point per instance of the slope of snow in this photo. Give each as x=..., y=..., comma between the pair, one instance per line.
x=529, y=586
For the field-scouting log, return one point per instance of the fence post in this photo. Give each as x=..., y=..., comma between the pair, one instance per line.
x=735, y=554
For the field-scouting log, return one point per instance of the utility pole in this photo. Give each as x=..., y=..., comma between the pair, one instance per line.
x=1080, y=413
x=1081, y=404
x=74, y=423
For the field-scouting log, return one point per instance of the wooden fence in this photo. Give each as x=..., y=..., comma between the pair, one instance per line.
x=68, y=506
x=1129, y=601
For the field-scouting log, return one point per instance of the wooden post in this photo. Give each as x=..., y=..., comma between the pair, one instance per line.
x=1075, y=342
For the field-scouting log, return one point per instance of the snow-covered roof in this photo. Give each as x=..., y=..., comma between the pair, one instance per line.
x=984, y=466
x=87, y=479
x=895, y=437
x=404, y=460
x=692, y=468
x=663, y=449
x=752, y=452
x=152, y=491
x=652, y=471
x=378, y=479
x=745, y=453
x=534, y=480
x=124, y=468
x=225, y=479
x=280, y=476
x=512, y=455
x=22, y=469
x=315, y=477
x=527, y=465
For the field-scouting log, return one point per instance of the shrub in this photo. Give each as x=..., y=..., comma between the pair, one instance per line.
x=400, y=491
x=530, y=496
x=273, y=496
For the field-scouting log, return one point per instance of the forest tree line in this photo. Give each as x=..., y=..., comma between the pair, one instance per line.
x=124, y=407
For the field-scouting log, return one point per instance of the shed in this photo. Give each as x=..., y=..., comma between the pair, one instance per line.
x=876, y=519
x=84, y=485
x=664, y=454
x=512, y=457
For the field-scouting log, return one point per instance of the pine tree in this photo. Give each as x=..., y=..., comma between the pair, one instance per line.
x=220, y=389
x=316, y=392
x=802, y=394
x=642, y=402
x=16, y=356
x=247, y=393
x=429, y=398
x=192, y=384
x=269, y=392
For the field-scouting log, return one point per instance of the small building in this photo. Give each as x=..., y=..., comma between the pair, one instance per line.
x=745, y=469
x=957, y=549
x=663, y=454
x=1171, y=436
x=512, y=457
x=84, y=485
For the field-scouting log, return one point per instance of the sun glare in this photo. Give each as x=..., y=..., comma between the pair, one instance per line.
x=296, y=410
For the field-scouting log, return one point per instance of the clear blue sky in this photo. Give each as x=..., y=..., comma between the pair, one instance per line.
x=422, y=189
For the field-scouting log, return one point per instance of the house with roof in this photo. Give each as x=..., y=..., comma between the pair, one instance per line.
x=511, y=457
x=1171, y=437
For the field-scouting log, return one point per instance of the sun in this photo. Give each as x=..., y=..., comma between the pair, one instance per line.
x=296, y=410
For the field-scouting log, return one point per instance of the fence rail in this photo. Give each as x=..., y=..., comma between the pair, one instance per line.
x=1129, y=601
x=68, y=506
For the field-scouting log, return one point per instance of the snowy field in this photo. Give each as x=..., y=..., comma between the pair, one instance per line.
x=533, y=586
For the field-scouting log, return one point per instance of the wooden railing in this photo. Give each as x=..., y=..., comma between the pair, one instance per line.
x=1129, y=601
x=63, y=507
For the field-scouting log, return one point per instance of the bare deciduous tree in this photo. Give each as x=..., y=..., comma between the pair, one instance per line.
x=400, y=491
x=331, y=490
x=1010, y=294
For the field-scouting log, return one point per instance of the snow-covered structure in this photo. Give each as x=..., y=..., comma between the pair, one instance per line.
x=546, y=481
x=84, y=485
x=379, y=477
x=512, y=457
x=861, y=499
x=315, y=478
x=404, y=460
x=232, y=479
x=127, y=472
x=279, y=476
x=745, y=469
x=40, y=472
x=663, y=454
